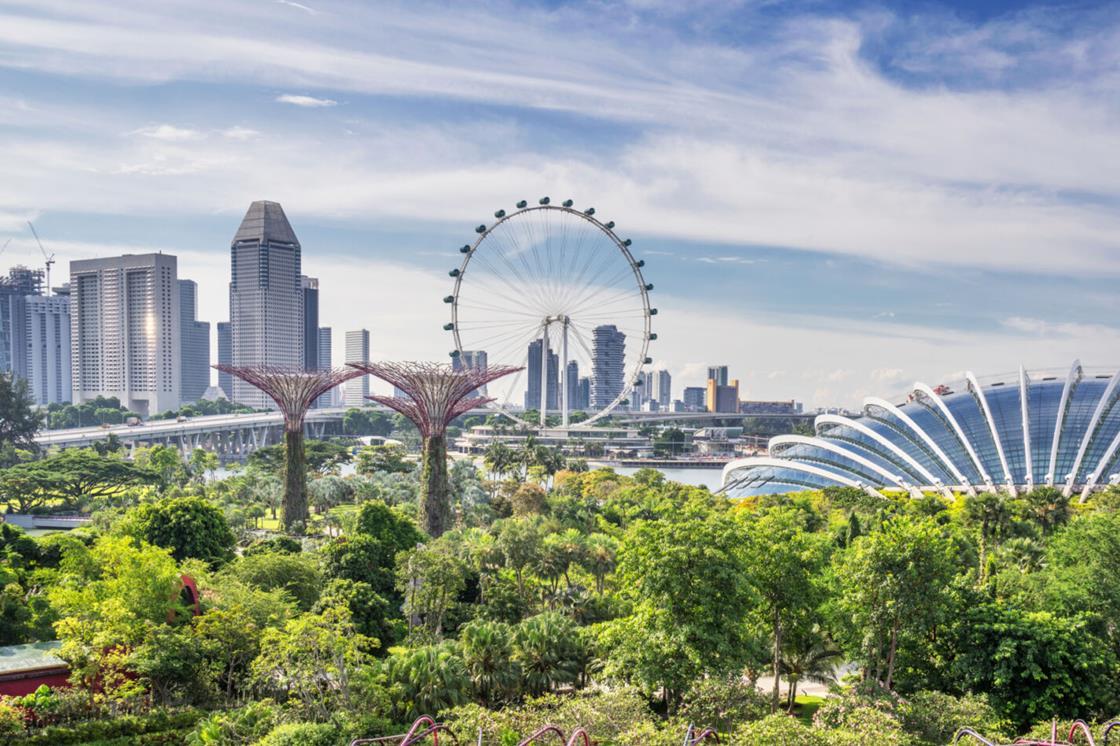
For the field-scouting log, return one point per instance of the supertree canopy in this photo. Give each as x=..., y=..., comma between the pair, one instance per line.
x=434, y=396
x=294, y=391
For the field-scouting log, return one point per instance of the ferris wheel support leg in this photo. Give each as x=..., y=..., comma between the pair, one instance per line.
x=563, y=376
x=544, y=373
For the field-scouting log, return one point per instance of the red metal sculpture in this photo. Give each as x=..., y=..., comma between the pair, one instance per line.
x=434, y=396
x=294, y=391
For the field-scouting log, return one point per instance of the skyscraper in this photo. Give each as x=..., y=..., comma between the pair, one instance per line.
x=533, y=372
x=722, y=398
x=310, y=288
x=225, y=357
x=608, y=356
x=584, y=393
x=661, y=388
x=693, y=398
x=47, y=355
x=357, y=351
x=20, y=283
x=265, y=297
x=323, y=333
x=471, y=360
x=718, y=373
x=124, y=322
x=571, y=383
x=194, y=344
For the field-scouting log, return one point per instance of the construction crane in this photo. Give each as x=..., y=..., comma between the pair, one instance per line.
x=49, y=259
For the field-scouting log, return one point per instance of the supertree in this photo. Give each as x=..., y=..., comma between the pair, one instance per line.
x=294, y=391
x=434, y=396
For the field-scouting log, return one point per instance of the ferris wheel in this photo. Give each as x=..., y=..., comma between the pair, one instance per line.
x=553, y=289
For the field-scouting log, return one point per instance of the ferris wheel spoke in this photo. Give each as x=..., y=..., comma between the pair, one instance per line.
x=517, y=287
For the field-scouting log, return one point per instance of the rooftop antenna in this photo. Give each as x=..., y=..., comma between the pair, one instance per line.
x=49, y=260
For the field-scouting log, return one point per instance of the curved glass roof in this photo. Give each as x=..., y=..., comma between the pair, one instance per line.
x=1012, y=435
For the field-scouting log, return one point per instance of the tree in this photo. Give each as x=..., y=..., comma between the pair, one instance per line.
x=808, y=654
x=786, y=563
x=369, y=611
x=230, y=640
x=430, y=578
x=297, y=574
x=19, y=420
x=190, y=527
x=387, y=458
x=323, y=457
x=426, y=679
x=530, y=499
x=689, y=589
x=599, y=558
x=548, y=649
x=670, y=441
x=487, y=649
x=166, y=462
x=519, y=544
x=71, y=478
x=108, y=597
x=313, y=662
x=892, y=581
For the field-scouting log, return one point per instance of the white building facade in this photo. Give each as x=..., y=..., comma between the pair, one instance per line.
x=124, y=331
x=357, y=351
x=47, y=335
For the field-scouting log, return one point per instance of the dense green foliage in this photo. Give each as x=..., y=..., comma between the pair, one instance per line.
x=629, y=605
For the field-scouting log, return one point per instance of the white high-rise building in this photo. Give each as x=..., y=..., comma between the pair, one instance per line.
x=357, y=351
x=265, y=297
x=124, y=331
x=608, y=360
x=47, y=356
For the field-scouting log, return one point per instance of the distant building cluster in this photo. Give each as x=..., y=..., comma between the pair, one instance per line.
x=128, y=327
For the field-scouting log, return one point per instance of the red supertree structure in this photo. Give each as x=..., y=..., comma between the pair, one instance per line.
x=294, y=391
x=434, y=396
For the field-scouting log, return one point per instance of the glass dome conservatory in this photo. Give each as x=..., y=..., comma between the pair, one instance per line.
x=1013, y=435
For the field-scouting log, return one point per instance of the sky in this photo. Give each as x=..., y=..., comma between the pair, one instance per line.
x=835, y=199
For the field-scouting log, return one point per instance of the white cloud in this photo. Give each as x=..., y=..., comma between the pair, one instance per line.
x=168, y=133
x=240, y=133
x=310, y=102
x=300, y=6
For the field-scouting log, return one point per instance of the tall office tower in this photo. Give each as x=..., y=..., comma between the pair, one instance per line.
x=225, y=357
x=324, y=336
x=265, y=297
x=310, y=289
x=357, y=351
x=641, y=393
x=194, y=345
x=608, y=358
x=571, y=384
x=533, y=371
x=20, y=283
x=124, y=331
x=471, y=360
x=718, y=373
x=584, y=393
x=47, y=352
x=694, y=398
x=722, y=398
x=661, y=388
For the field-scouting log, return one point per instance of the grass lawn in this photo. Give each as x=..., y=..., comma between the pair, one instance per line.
x=805, y=706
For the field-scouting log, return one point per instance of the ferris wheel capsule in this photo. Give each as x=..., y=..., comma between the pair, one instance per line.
x=522, y=205
x=568, y=203
x=500, y=214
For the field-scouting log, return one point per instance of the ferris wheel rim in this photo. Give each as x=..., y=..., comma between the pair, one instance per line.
x=630, y=377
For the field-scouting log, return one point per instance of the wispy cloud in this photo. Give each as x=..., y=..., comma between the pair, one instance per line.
x=310, y=102
x=168, y=133
x=300, y=6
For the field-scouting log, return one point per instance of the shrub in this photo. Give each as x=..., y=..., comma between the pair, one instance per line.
x=778, y=730
x=239, y=727
x=131, y=729
x=301, y=734
x=11, y=720
x=933, y=717
x=281, y=544
x=724, y=704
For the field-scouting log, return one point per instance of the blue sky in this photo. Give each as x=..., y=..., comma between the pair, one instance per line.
x=834, y=198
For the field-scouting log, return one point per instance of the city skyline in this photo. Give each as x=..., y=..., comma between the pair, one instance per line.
x=808, y=234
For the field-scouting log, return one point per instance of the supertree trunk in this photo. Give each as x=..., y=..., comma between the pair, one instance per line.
x=435, y=488
x=433, y=396
x=294, y=391
x=295, y=512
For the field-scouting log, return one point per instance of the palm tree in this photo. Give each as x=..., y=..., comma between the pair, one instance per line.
x=993, y=516
x=808, y=655
x=487, y=652
x=599, y=558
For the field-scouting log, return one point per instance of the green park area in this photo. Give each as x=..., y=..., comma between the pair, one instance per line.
x=629, y=606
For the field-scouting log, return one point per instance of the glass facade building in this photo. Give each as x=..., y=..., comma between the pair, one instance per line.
x=1008, y=435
